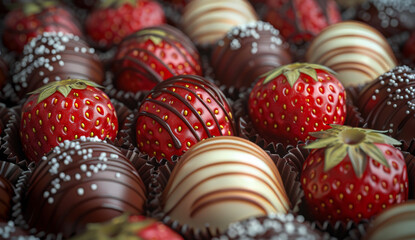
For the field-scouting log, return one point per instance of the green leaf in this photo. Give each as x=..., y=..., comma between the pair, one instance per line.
x=272, y=74
x=310, y=72
x=322, y=143
x=292, y=76
x=358, y=159
x=375, y=153
x=65, y=90
x=45, y=94
x=334, y=155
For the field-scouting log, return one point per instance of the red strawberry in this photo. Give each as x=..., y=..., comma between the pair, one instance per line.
x=34, y=18
x=129, y=227
x=180, y=112
x=293, y=100
x=108, y=24
x=353, y=174
x=65, y=110
x=152, y=55
x=300, y=20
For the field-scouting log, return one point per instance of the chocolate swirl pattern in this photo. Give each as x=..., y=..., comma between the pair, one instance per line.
x=388, y=103
x=53, y=57
x=207, y=21
x=248, y=51
x=189, y=108
x=397, y=222
x=80, y=182
x=356, y=51
x=223, y=180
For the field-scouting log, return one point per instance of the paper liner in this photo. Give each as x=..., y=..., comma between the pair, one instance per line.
x=162, y=173
x=129, y=99
x=126, y=135
x=9, y=230
x=122, y=113
x=12, y=146
x=8, y=95
x=10, y=171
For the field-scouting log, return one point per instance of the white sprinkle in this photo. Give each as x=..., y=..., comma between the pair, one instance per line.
x=94, y=187
x=80, y=191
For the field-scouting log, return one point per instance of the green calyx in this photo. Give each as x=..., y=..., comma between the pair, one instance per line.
x=357, y=143
x=118, y=228
x=35, y=7
x=155, y=35
x=292, y=72
x=64, y=87
x=116, y=3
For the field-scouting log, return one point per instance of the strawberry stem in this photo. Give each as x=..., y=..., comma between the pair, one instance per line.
x=352, y=136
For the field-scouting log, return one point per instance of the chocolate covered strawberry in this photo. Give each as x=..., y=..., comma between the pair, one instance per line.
x=152, y=55
x=301, y=20
x=65, y=110
x=352, y=174
x=112, y=20
x=129, y=227
x=180, y=112
x=289, y=102
x=32, y=18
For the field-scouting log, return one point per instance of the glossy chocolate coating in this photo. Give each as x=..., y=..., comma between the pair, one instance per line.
x=390, y=17
x=80, y=182
x=388, y=103
x=222, y=180
x=53, y=57
x=6, y=194
x=273, y=226
x=248, y=51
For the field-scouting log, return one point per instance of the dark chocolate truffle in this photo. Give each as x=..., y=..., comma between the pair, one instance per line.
x=54, y=57
x=390, y=17
x=80, y=182
x=273, y=226
x=388, y=103
x=6, y=193
x=152, y=55
x=248, y=51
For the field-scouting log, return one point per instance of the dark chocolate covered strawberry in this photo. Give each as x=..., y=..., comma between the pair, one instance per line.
x=65, y=110
x=353, y=174
x=292, y=100
x=178, y=113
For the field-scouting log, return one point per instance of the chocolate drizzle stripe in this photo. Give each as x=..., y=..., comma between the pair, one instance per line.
x=234, y=196
x=351, y=66
x=176, y=141
x=198, y=184
x=140, y=63
x=274, y=179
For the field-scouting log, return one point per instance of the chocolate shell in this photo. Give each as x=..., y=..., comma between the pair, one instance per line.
x=397, y=222
x=54, y=57
x=388, y=103
x=248, y=51
x=152, y=55
x=207, y=21
x=356, y=51
x=222, y=180
x=6, y=193
x=273, y=226
x=390, y=17
x=80, y=182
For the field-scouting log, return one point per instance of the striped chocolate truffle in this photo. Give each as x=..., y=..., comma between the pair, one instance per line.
x=6, y=194
x=397, y=222
x=81, y=182
x=356, y=51
x=248, y=51
x=388, y=103
x=223, y=180
x=52, y=57
x=207, y=21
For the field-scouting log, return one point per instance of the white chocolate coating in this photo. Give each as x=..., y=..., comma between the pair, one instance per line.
x=356, y=51
x=222, y=180
x=207, y=21
x=397, y=222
